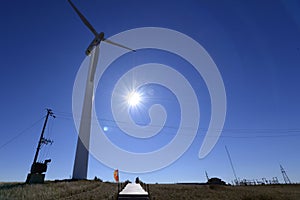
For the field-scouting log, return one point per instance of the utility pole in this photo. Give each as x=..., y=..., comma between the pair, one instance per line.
x=285, y=176
x=42, y=139
x=206, y=176
x=38, y=168
x=236, y=180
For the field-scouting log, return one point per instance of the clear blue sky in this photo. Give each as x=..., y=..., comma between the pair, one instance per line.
x=255, y=44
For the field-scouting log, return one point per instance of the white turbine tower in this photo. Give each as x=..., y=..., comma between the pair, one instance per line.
x=82, y=151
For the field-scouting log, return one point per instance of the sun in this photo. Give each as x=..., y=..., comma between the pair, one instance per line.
x=134, y=98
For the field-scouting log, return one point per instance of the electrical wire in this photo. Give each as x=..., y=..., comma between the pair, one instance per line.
x=45, y=149
x=244, y=133
x=21, y=133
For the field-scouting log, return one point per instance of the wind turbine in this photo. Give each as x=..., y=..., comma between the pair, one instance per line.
x=82, y=151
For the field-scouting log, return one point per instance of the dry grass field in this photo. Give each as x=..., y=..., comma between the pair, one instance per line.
x=216, y=192
x=58, y=190
x=97, y=190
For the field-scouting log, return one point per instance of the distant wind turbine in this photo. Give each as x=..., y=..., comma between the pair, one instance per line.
x=82, y=151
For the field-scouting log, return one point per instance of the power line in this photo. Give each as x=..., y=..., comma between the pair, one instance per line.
x=21, y=133
x=244, y=132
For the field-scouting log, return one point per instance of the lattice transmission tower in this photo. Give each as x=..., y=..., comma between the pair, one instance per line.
x=285, y=176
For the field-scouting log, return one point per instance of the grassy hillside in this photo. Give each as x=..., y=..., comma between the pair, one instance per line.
x=216, y=192
x=97, y=190
x=59, y=190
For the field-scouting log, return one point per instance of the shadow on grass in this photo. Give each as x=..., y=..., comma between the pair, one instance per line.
x=7, y=186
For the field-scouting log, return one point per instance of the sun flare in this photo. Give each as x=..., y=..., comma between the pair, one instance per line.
x=134, y=98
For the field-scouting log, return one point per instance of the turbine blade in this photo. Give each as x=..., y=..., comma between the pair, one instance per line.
x=119, y=45
x=83, y=19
